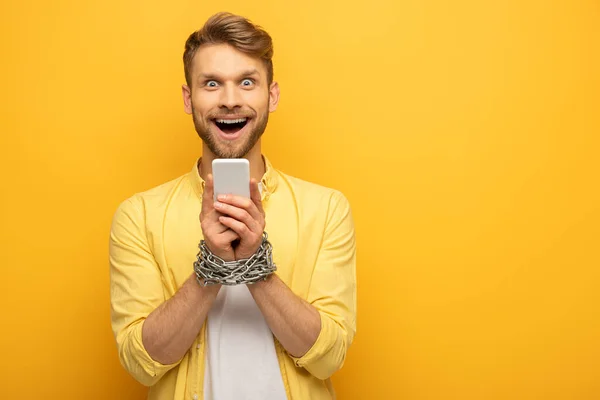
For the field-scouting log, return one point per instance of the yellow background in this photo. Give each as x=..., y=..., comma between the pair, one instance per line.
x=464, y=133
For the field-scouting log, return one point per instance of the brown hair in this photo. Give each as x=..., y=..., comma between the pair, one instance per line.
x=235, y=31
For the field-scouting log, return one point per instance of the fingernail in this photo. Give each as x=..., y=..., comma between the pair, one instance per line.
x=222, y=197
x=218, y=205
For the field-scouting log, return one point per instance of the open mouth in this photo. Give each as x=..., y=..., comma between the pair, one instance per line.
x=231, y=126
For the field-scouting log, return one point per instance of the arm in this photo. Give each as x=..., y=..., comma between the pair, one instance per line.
x=318, y=332
x=170, y=330
x=294, y=322
x=152, y=334
x=332, y=295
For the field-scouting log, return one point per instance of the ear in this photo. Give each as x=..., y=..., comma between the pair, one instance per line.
x=187, y=99
x=273, y=96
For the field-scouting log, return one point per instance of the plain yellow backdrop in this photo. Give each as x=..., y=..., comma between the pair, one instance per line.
x=464, y=133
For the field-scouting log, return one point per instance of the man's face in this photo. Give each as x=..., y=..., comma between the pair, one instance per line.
x=229, y=100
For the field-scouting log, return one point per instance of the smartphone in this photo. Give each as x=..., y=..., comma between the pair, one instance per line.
x=231, y=176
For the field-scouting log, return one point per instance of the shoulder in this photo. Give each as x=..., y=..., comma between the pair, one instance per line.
x=150, y=200
x=316, y=196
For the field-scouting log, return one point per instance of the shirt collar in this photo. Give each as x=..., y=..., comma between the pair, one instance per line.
x=268, y=183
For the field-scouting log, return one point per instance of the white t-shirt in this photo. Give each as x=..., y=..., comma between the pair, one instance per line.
x=241, y=362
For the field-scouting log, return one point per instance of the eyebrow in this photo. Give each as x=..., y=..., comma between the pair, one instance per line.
x=209, y=76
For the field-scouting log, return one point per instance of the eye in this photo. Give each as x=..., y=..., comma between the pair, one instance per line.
x=212, y=84
x=247, y=82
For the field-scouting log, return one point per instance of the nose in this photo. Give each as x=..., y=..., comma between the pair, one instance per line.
x=230, y=97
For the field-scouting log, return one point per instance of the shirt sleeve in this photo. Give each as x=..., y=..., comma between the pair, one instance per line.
x=333, y=293
x=135, y=291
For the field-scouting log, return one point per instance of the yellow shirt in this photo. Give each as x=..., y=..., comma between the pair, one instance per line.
x=153, y=245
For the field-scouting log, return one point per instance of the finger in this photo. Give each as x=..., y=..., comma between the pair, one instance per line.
x=218, y=226
x=229, y=235
x=237, y=226
x=211, y=225
x=255, y=195
x=239, y=214
x=222, y=241
x=243, y=203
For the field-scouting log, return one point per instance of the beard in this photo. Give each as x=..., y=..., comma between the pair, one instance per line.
x=234, y=149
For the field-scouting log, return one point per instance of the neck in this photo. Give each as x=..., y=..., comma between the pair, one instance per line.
x=254, y=156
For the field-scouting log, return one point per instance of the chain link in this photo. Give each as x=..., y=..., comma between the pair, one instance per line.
x=211, y=269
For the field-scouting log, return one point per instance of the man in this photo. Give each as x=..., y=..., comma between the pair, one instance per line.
x=281, y=337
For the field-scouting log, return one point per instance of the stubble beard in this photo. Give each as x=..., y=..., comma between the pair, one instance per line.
x=233, y=149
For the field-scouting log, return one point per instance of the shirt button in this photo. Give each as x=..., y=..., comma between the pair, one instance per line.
x=198, y=346
x=195, y=396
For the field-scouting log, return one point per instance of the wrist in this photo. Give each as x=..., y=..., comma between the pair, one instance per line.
x=210, y=269
x=263, y=283
x=198, y=286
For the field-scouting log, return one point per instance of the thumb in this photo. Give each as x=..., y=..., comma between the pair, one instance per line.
x=207, y=196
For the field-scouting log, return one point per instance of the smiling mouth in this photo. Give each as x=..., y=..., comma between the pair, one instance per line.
x=230, y=126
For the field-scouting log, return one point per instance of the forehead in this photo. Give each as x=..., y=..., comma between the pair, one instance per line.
x=224, y=60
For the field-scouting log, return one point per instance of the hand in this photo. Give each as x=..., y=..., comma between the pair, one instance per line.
x=245, y=217
x=218, y=237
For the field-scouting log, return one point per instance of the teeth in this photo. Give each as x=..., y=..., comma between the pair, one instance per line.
x=231, y=121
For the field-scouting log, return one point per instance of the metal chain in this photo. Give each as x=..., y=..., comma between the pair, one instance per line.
x=211, y=269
